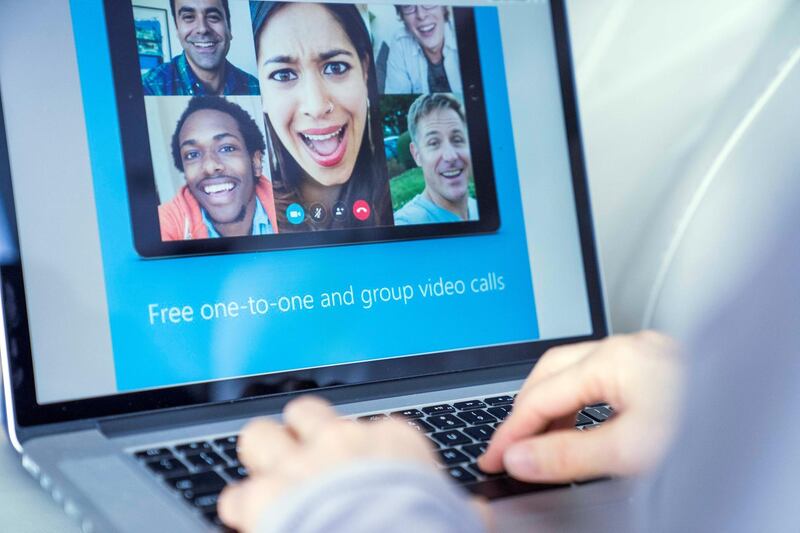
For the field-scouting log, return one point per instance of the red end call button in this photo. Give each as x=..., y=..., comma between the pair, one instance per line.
x=361, y=210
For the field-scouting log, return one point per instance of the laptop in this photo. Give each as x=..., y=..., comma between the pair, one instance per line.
x=198, y=228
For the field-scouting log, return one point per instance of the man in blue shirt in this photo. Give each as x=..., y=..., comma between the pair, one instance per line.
x=204, y=30
x=440, y=146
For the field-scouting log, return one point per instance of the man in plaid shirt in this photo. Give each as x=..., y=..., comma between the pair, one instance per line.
x=204, y=29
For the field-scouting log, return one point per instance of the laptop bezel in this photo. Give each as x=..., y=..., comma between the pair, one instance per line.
x=24, y=412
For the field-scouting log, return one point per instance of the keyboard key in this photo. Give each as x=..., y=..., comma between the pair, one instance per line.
x=236, y=472
x=206, y=503
x=193, y=448
x=475, y=450
x=214, y=518
x=200, y=483
x=372, y=418
x=500, y=412
x=227, y=442
x=582, y=420
x=205, y=460
x=233, y=455
x=408, y=413
x=438, y=409
x=599, y=414
x=452, y=438
x=452, y=456
x=477, y=416
x=420, y=425
x=499, y=400
x=435, y=444
x=461, y=475
x=445, y=422
x=481, y=433
x=193, y=494
x=475, y=469
x=168, y=466
x=154, y=453
x=471, y=404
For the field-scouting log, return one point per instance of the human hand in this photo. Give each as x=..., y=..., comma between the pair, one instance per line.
x=313, y=441
x=639, y=375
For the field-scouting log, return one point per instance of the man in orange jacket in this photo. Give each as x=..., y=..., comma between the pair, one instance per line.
x=219, y=148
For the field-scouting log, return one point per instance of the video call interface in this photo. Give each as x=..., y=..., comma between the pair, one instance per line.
x=268, y=118
x=224, y=157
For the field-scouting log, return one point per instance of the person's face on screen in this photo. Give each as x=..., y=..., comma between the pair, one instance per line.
x=314, y=90
x=441, y=149
x=219, y=171
x=204, y=32
x=426, y=24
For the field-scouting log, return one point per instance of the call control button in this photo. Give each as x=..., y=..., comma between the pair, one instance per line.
x=361, y=210
x=339, y=211
x=295, y=214
x=318, y=213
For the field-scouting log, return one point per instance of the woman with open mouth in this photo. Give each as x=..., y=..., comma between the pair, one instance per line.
x=320, y=100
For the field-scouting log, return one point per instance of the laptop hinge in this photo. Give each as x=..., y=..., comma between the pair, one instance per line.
x=189, y=416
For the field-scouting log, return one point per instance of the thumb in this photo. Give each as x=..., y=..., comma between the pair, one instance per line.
x=568, y=455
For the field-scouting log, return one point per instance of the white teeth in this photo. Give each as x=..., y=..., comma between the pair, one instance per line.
x=322, y=137
x=203, y=45
x=451, y=173
x=427, y=27
x=218, y=187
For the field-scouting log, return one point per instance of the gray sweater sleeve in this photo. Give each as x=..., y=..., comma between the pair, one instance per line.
x=374, y=496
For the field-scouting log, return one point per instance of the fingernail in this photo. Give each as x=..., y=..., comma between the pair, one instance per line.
x=518, y=459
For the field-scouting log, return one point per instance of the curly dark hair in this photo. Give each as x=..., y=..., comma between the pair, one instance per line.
x=253, y=138
x=225, y=7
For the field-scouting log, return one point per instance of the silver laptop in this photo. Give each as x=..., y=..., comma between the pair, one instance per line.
x=211, y=207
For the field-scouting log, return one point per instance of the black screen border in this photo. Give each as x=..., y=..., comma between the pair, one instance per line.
x=27, y=415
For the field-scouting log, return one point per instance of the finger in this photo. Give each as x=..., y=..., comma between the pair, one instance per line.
x=229, y=505
x=555, y=360
x=567, y=455
x=566, y=422
x=555, y=397
x=241, y=505
x=264, y=443
x=307, y=415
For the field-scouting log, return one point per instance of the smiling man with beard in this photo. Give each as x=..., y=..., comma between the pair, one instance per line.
x=219, y=148
x=440, y=146
x=204, y=30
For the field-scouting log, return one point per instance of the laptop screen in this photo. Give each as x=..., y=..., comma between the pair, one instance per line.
x=222, y=189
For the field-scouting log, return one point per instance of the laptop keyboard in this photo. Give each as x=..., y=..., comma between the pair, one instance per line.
x=458, y=431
